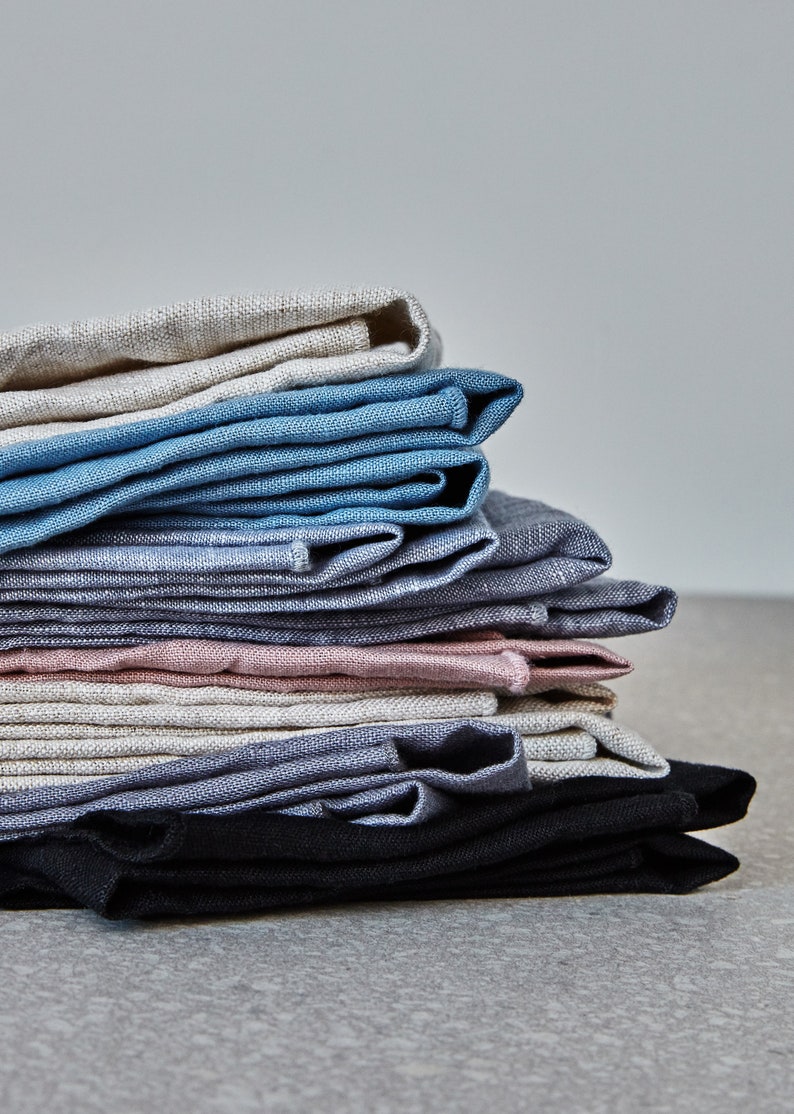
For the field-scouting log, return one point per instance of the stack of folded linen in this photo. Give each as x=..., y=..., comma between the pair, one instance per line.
x=267, y=638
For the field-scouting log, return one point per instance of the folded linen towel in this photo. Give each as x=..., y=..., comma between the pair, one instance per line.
x=93, y=374
x=601, y=608
x=83, y=733
x=588, y=835
x=373, y=774
x=483, y=660
x=212, y=562
x=153, y=750
x=515, y=548
x=95, y=705
x=58, y=484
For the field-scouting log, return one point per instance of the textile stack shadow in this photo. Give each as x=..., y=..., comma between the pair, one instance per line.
x=268, y=637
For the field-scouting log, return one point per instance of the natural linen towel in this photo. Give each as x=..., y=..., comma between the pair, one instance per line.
x=255, y=447
x=525, y=548
x=93, y=374
x=483, y=660
x=572, y=739
x=88, y=730
x=584, y=836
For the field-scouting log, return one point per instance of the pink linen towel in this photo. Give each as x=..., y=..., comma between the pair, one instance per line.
x=486, y=660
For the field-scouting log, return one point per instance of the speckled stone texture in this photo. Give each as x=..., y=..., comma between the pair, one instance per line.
x=607, y=1004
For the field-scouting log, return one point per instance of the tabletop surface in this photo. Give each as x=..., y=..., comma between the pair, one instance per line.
x=626, y=1003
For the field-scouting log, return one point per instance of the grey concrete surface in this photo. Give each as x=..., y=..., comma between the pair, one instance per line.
x=619, y=1004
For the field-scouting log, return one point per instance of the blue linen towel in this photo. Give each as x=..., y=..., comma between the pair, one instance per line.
x=416, y=487
x=418, y=768
x=57, y=484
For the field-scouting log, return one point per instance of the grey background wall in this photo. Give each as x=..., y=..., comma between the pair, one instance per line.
x=595, y=197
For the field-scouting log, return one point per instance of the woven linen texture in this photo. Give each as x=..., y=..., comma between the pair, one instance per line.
x=520, y=547
x=588, y=835
x=568, y=736
x=515, y=587
x=484, y=659
x=278, y=453
x=387, y=774
x=93, y=374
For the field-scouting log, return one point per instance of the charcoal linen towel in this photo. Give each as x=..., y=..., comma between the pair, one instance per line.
x=582, y=836
x=58, y=484
x=483, y=660
x=96, y=373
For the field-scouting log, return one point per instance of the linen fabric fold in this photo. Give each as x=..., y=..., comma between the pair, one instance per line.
x=539, y=579
x=602, y=608
x=482, y=660
x=587, y=835
x=393, y=774
x=92, y=374
x=217, y=563
x=512, y=548
x=232, y=457
x=141, y=750
x=267, y=640
x=75, y=731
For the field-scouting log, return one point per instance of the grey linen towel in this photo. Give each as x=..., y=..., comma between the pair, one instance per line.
x=513, y=547
x=539, y=580
x=186, y=564
x=603, y=608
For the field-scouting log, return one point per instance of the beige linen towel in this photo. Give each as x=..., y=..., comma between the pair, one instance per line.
x=70, y=740
x=107, y=371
